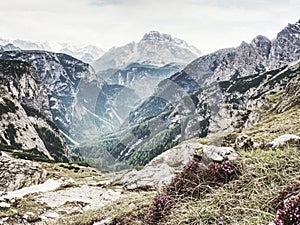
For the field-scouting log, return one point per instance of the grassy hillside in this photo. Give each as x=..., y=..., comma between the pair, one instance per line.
x=250, y=199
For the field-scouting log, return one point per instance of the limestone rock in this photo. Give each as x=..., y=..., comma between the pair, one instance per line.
x=162, y=168
x=284, y=140
x=4, y=205
x=210, y=153
x=19, y=173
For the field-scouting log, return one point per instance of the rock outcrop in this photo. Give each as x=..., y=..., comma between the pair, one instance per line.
x=285, y=141
x=160, y=170
x=18, y=173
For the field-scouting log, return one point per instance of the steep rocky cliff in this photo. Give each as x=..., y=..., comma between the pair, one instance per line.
x=141, y=78
x=71, y=86
x=26, y=125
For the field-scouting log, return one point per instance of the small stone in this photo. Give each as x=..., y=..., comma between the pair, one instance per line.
x=28, y=215
x=4, y=205
x=107, y=220
x=52, y=215
x=218, y=154
x=244, y=142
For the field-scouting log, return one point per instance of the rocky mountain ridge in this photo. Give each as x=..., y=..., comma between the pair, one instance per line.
x=259, y=56
x=71, y=86
x=153, y=49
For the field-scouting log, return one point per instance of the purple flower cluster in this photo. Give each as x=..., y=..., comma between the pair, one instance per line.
x=291, y=190
x=194, y=181
x=222, y=172
x=162, y=205
x=226, y=167
x=290, y=215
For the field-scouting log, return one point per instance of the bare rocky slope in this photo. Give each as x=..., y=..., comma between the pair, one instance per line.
x=26, y=124
x=71, y=86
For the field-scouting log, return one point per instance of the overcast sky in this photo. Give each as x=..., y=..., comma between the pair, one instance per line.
x=207, y=24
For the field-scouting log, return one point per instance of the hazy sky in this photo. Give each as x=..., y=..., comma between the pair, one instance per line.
x=206, y=24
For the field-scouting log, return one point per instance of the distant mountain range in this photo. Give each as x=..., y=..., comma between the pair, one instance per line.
x=218, y=92
x=81, y=103
x=87, y=53
x=259, y=56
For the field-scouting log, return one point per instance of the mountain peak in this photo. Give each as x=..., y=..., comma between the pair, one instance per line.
x=292, y=28
x=156, y=36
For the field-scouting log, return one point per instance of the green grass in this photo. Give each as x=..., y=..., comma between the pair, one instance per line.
x=21, y=207
x=71, y=170
x=274, y=125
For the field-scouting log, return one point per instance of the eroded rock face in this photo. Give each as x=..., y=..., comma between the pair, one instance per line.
x=25, y=117
x=71, y=87
x=19, y=173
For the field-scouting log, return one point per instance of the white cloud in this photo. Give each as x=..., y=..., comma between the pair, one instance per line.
x=208, y=24
x=106, y=2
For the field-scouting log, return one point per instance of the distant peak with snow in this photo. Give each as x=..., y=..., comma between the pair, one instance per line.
x=155, y=35
x=86, y=53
